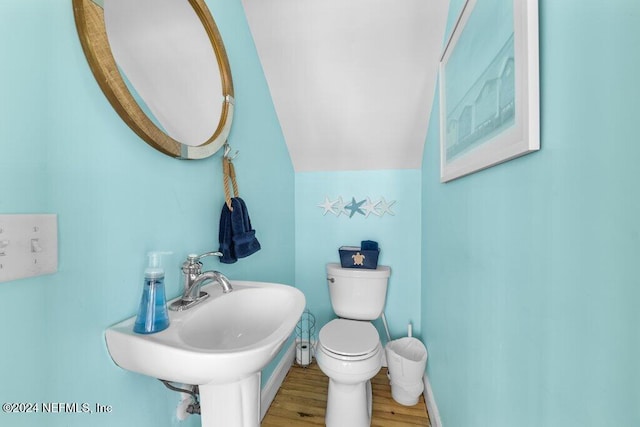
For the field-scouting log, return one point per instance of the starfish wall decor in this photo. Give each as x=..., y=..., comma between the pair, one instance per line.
x=363, y=207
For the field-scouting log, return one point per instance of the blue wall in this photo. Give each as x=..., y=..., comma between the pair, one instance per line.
x=65, y=151
x=527, y=293
x=23, y=177
x=319, y=236
x=529, y=278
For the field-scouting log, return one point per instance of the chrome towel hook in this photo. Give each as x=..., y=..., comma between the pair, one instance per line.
x=227, y=150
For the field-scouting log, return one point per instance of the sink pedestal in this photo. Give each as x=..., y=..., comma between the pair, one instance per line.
x=231, y=405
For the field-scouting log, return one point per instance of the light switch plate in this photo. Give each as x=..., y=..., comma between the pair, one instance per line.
x=28, y=245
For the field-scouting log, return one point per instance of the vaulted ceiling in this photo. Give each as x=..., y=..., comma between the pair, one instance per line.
x=352, y=81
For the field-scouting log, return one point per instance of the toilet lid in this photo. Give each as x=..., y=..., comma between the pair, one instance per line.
x=349, y=337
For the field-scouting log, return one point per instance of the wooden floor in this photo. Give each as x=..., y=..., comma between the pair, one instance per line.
x=302, y=400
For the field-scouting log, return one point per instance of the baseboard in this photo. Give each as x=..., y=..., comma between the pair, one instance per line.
x=272, y=386
x=432, y=408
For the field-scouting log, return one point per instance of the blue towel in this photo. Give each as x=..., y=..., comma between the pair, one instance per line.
x=237, y=238
x=369, y=245
x=244, y=237
x=225, y=237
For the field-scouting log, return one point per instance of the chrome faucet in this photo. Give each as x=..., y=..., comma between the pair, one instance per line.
x=194, y=278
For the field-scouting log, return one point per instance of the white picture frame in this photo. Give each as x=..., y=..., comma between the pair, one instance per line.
x=489, y=115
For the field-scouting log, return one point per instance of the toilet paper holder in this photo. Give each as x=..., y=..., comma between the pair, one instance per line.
x=305, y=338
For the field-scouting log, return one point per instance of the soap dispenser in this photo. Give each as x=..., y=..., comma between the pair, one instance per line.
x=153, y=315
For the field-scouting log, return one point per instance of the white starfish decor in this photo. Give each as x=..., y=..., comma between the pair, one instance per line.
x=363, y=207
x=340, y=207
x=328, y=206
x=370, y=208
x=385, y=207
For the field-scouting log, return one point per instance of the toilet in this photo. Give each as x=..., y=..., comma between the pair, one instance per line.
x=349, y=351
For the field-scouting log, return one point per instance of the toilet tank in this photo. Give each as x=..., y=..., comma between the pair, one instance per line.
x=358, y=293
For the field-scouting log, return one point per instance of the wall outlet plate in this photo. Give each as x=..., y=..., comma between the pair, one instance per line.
x=28, y=245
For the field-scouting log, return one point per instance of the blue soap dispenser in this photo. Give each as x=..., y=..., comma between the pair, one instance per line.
x=153, y=315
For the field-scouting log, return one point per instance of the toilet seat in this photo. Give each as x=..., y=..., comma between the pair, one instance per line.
x=352, y=339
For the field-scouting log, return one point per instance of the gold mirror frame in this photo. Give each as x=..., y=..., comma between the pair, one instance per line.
x=90, y=24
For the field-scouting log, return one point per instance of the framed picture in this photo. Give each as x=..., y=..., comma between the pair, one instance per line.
x=489, y=87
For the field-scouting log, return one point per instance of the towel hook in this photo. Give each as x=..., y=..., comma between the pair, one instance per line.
x=227, y=150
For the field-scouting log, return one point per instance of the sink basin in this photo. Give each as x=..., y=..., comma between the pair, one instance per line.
x=220, y=344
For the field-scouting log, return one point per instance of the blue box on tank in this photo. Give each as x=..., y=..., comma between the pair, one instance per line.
x=363, y=256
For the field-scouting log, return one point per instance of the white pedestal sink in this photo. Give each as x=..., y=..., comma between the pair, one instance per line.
x=221, y=345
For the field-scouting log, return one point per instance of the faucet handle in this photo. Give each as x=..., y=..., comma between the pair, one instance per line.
x=195, y=258
x=193, y=265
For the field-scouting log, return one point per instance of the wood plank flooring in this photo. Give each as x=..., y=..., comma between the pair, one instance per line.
x=302, y=399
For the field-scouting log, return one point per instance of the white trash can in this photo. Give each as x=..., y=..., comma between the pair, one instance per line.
x=406, y=360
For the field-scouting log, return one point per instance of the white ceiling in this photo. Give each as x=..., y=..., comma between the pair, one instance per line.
x=352, y=81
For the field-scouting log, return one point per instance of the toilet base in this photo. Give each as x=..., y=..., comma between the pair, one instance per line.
x=349, y=400
x=349, y=405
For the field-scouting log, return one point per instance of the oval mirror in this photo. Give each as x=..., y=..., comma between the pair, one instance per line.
x=163, y=67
